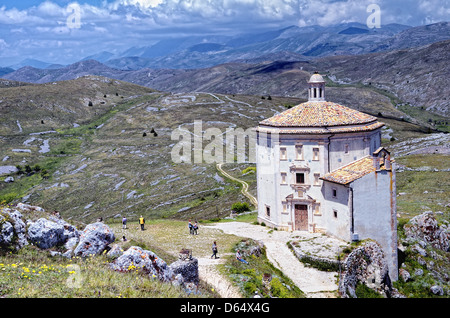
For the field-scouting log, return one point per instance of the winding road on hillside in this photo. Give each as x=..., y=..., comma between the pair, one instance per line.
x=244, y=189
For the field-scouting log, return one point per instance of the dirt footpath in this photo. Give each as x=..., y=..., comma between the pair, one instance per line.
x=315, y=283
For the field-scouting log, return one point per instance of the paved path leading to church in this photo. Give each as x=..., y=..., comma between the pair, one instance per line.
x=315, y=283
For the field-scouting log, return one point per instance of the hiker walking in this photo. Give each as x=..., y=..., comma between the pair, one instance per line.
x=214, y=250
x=239, y=257
x=124, y=222
x=142, y=222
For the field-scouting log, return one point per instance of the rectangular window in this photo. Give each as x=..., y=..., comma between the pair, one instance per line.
x=283, y=154
x=346, y=147
x=316, y=179
x=283, y=177
x=317, y=208
x=299, y=152
x=334, y=192
x=315, y=153
x=335, y=213
x=300, y=178
x=267, y=210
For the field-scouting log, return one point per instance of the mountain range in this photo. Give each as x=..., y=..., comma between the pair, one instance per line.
x=416, y=77
x=187, y=52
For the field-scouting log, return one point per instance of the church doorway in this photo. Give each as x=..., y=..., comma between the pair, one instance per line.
x=301, y=217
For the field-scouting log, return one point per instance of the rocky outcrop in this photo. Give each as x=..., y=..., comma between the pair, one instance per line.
x=13, y=229
x=51, y=231
x=46, y=234
x=137, y=258
x=94, y=240
x=426, y=244
x=186, y=272
x=367, y=265
x=424, y=229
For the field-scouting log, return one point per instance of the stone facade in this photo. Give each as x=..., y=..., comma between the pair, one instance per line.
x=320, y=168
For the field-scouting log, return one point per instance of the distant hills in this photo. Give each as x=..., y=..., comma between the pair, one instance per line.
x=409, y=64
x=189, y=52
x=416, y=76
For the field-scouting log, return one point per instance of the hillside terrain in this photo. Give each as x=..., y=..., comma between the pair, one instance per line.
x=117, y=158
x=413, y=80
x=114, y=157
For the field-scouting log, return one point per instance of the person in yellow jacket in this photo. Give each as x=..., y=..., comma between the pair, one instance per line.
x=142, y=222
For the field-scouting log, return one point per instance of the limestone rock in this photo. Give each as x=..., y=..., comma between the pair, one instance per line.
x=186, y=271
x=137, y=258
x=6, y=232
x=367, y=265
x=424, y=228
x=115, y=251
x=437, y=290
x=94, y=239
x=13, y=218
x=46, y=234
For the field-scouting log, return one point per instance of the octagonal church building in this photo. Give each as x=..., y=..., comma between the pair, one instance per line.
x=321, y=169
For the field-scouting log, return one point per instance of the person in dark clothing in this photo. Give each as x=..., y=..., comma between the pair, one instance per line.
x=214, y=250
x=191, y=227
x=195, y=228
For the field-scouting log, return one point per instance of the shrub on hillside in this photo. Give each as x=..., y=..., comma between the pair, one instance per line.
x=240, y=207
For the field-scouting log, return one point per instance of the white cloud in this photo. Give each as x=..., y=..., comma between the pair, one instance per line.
x=144, y=21
x=3, y=44
x=49, y=9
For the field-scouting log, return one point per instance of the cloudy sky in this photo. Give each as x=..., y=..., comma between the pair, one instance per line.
x=64, y=31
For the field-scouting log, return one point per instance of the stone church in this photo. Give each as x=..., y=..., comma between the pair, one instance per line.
x=321, y=169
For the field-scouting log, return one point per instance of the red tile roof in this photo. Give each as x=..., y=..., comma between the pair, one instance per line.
x=318, y=114
x=351, y=172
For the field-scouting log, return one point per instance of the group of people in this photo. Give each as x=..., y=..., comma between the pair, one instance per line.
x=141, y=222
x=193, y=229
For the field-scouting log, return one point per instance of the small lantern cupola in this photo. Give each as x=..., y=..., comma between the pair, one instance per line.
x=316, y=89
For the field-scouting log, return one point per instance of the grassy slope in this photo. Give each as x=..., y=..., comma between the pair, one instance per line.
x=114, y=170
x=120, y=160
x=120, y=171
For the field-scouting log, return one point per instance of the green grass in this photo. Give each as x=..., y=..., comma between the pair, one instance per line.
x=420, y=191
x=259, y=276
x=32, y=273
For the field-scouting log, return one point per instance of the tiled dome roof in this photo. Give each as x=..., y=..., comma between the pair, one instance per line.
x=318, y=114
x=316, y=78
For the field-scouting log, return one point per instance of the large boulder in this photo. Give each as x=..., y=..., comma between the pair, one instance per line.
x=46, y=234
x=424, y=228
x=136, y=258
x=6, y=232
x=186, y=272
x=94, y=239
x=367, y=265
x=12, y=229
